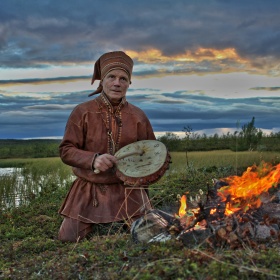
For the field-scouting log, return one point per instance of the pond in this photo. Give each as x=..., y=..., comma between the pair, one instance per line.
x=18, y=186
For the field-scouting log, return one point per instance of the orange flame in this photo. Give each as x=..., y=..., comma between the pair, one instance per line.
x=245, y=191
x=183, y=207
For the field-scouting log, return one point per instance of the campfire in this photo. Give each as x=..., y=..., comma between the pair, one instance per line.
x=235, y=211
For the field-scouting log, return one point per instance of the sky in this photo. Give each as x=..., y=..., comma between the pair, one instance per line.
x=211, y=65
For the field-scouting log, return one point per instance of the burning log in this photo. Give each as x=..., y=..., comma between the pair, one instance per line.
x=235, y=220
x=234, y=212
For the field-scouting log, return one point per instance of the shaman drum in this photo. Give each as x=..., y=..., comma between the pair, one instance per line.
x=142, y=163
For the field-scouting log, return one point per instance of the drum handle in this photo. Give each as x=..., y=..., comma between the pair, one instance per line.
x=139, y=152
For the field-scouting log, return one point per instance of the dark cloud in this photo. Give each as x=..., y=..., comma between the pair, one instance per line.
x=43, y=80
x=35, y=32
x=219, y=112
x=40, y=117
x=266, y=88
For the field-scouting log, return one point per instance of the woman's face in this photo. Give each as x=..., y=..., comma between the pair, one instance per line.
x=115, y=85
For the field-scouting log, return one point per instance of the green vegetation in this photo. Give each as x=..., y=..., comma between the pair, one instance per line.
x=248, y=138
x=233, y=142
x=11, y=148
x=30, y=249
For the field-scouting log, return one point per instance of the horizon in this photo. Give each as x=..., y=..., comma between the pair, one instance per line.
x=179, y=134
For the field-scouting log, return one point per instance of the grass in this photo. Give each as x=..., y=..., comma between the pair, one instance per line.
x=20, y=162
x=223, y=158
x=30, y=249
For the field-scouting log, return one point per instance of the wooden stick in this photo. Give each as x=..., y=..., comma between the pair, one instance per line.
x=139, y=152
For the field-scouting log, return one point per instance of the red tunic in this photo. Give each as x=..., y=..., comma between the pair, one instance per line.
x=98, y=127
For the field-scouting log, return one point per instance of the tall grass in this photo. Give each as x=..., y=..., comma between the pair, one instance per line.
x=222, y=158
x=35, y=176
x=16, y=162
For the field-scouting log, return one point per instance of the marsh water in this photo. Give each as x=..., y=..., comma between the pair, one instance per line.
x=7, y=171
x=13, y=189
x=18, y=186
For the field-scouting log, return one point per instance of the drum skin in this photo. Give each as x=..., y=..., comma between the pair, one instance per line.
x=143, y=169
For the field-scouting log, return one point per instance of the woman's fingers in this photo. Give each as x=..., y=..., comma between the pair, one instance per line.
x=104, y=162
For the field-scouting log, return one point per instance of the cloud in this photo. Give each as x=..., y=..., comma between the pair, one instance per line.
x=49, y=107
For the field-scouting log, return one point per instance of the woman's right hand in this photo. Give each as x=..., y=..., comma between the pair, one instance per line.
x=104, y=162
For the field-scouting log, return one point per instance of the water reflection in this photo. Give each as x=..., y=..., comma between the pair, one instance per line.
x=7, y=171
x=13, y=191
x=19, y=186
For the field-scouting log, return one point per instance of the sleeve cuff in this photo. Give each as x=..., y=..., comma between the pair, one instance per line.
x=93, y=160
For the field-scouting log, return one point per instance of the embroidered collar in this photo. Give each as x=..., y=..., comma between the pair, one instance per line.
x=107, y=102
x=112, y=112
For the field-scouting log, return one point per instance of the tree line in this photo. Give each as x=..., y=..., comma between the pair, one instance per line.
x=247, y=138
x=39, y=148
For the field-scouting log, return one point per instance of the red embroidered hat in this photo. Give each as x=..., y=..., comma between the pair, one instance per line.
x=108, y=62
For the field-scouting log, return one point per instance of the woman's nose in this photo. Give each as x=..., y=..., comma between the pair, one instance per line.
x=117, y=82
